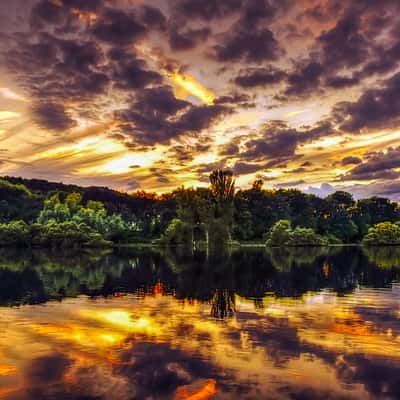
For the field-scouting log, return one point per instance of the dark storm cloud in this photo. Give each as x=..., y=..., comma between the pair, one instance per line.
x=340, y=82
x=344, y=45
x=230, y=149
x=188, y=38
x=58, y=69
x=351, y=160
x=47, y=13
x=52, y=116
x=250, y=39
x=47, y=369
x=207, y=9
x=129, y=72
x=198, y=118
x=68, y=65
x=378, y=166
x=159, y=102
x=77, y=55
x=118, y=27
x=304, y=79
x=157, y=116
x=153, y=18
x=236, y=99
x=241, y=168
x=280, y=141
x=377, y=108
x=349, y=52
x=247, y=44
x=253, y=77
x=84, y=5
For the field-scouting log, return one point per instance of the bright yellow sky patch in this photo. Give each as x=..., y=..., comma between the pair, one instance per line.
x=123, y=163
x=191, y=86
x=93, y=145
x=294, y=113
x=7, y=115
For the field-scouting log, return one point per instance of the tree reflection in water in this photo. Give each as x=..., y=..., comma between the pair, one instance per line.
x=38, y=276
x=223, y=303
x=250, y=324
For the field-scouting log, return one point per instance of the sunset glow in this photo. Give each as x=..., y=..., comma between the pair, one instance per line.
x=181, y=90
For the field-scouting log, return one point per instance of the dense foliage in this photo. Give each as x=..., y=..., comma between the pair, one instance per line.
x=282, y=234
x=67, y=224
x=384, y=233
x=39, y=212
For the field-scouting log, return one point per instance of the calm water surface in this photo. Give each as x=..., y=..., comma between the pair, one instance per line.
x=299, y=324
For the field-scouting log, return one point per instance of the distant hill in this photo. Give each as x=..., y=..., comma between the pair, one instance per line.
x=36, y=190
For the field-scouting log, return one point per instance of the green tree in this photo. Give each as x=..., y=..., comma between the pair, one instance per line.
x=279, y=234
x=223, y=190
x=384, y=233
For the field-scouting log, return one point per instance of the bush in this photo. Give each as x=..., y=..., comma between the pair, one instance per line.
x=305, y=237
x=65, y=234
x=384, y=233
x=177, y=233
x=281, y=234
x=15, y=233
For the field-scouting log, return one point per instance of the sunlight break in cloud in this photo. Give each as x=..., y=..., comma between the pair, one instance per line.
x=7, y=115
x=190, y=86
x=11, y=95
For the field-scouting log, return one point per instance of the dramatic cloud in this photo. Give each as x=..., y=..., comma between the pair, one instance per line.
x=344, y=45
x=377, y=166
x=207, y=9
x=351, y=160
x=377, y=108
x=118, y=27
x=251, y=45
x=157, y=116
x=264, y=87
x=259, y=77
x=187, y=39
x=52, y=116
x=279, y=141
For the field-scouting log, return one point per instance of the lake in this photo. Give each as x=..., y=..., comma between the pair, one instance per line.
x=244, y=324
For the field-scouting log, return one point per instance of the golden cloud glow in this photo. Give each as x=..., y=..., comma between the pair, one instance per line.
x=6, y=370
x=188, y=85
x=11, y=95
x=122, y=319
x=124, y=163
x=7, y=115
x=294, y=113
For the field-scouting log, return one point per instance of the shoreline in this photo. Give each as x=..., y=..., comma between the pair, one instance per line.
x=237, y=245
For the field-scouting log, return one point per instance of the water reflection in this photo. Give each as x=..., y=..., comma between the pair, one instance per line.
x=245, y=325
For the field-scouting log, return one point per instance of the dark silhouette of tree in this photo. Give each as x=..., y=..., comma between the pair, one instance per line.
x=223, y=192
x=223, y=303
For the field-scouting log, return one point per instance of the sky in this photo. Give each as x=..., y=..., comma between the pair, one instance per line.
x=154, y=94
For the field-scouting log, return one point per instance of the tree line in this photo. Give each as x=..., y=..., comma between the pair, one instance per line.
x=37, y=212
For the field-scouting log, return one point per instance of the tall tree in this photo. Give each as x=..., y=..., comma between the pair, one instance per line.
x=223, y=192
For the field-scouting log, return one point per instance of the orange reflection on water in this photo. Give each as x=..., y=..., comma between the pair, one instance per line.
x=7, y=370
x=205, y=392
x=126, y=341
